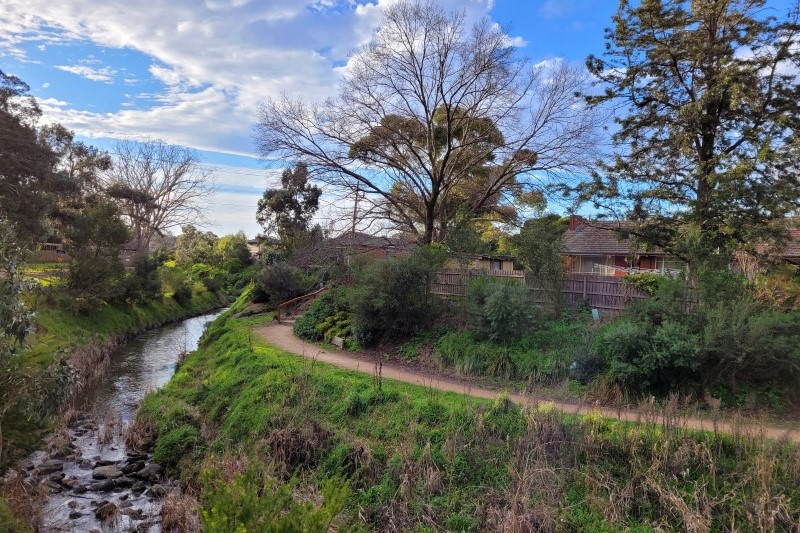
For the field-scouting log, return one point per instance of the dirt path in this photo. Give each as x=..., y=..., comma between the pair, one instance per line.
x=281, y=335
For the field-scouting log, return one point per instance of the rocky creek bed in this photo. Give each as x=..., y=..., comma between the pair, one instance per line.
x=89, y=481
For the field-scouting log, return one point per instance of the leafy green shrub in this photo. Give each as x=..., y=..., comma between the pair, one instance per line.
x=324, y=307
x=174, y=444
x=337, y=325
x=745, y=343
x=645, y=281
x=392, y=298
x=499, y=310
x=281, y=282
x=175, y=283
x=659, y=358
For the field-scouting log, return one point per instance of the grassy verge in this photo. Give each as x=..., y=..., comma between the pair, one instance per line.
x=246, y=425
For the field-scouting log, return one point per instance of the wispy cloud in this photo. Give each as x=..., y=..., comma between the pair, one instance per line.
x=104, y=74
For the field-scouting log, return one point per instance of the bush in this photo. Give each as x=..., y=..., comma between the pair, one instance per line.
x=327, y=305
x=499, y=310
x=143, y=285
x=281, y=282
x=176, y=283
x=745, y=343
x=647, y=357
x=392, y=298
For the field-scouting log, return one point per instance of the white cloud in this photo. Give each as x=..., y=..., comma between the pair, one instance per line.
x=104, y=74
x=45, y=85
x=216, y=60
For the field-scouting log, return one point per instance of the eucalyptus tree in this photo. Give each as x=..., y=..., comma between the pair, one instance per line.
x=436, y=122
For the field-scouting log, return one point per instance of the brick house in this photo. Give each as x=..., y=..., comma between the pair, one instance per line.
x=607, y=248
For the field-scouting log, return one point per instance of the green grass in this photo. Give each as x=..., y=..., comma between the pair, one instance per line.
x=59, y=329
x=8, y=522
x=418, y=459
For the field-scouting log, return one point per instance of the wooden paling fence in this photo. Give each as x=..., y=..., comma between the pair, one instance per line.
x=455, y=282
x=606, y=293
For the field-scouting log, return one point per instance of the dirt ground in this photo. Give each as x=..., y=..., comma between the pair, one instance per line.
x=282, y=336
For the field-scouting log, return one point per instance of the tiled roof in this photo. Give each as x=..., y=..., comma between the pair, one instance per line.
x=365, y=241
x=792, y=248
x=603, y=238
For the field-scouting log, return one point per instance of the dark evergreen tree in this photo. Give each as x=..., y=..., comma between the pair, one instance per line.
x=708, y=112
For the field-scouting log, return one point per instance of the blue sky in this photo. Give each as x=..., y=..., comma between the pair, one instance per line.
x=193, y=72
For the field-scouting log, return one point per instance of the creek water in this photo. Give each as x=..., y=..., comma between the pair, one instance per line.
x=132, y=490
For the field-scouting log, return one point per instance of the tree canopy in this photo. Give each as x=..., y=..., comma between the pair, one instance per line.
x=707, y=139
x=436, y=123
x=287, y=211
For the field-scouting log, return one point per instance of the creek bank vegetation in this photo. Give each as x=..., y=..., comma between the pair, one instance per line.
x=244, y=424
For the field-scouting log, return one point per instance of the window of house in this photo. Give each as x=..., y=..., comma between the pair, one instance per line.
x=496, y=265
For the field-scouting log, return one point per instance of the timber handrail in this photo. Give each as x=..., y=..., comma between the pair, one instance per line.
x=298, y=301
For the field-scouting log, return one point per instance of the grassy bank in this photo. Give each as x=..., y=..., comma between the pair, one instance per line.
x=261, y=437
x=83, y=341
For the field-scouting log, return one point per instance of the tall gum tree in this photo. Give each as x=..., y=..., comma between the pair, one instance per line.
x=707, y=101
x=436, y=123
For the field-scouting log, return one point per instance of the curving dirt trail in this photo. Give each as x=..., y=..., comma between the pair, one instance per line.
x=282, y=336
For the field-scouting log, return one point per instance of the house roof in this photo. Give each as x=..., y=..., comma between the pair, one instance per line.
x=792, y=248
x=603, y=238
x=369, y=242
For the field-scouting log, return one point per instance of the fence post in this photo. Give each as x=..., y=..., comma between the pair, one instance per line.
x=584, y=287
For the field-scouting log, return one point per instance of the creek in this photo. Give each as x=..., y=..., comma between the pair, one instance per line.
x=97, y=485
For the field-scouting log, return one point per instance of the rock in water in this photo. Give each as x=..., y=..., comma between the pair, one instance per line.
x=105, y=511
x=106, y=472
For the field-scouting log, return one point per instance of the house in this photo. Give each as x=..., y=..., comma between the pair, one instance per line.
x=607, y=248
x=490, y=263
x=51, y=252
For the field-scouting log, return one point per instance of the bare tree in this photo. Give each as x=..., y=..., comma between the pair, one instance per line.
x=158, y=187
x=437, y=123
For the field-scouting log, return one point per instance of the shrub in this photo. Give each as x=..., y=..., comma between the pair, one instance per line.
x=499, y=310
x=392, y=298
x=645, y=357
x=143, y=283
x=282, y=282
x=176, y=283
x=745, y=343
x=327, y=305
x=645, y=281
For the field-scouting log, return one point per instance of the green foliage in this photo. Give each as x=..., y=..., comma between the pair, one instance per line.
x=659, y=359
x=286, y=212
x=337, y=325
x=231, y=252
x=538, y=246
x=645, y=281
x=392, y=297
x=94, y=239
x=175, y=283
x=143, y=284
x=195, y=246
x=281, y=282
x=680, y=121
x=255, y=502
x=499, y=309
x=748, y=344
x=174, y=444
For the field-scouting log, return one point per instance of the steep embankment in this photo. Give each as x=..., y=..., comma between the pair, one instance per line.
x=263, y=435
